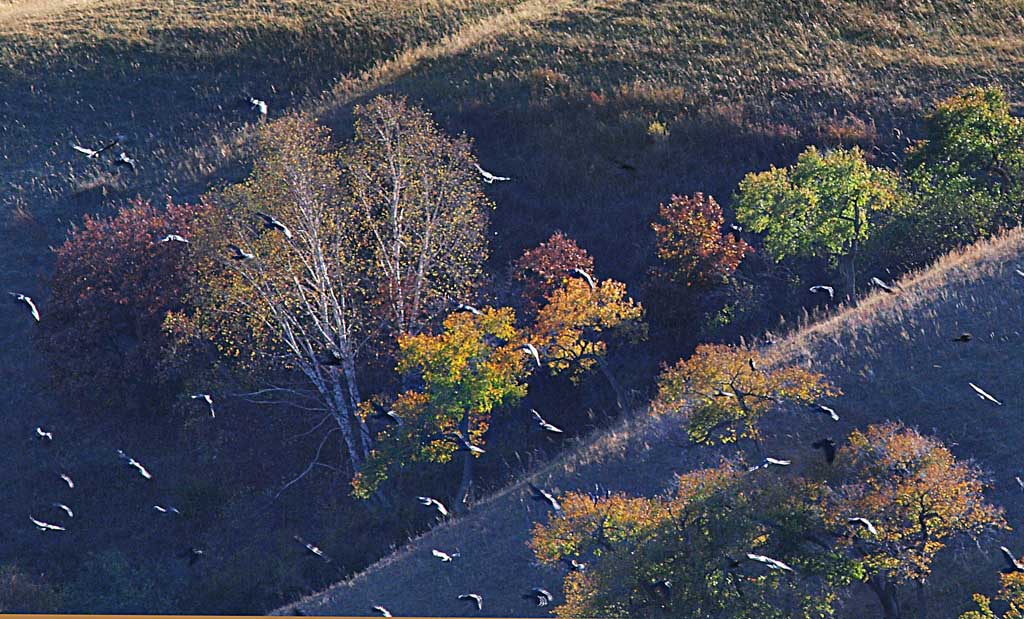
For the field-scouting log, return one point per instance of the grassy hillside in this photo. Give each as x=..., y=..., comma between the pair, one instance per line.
x=894, y=359
x=599, y=110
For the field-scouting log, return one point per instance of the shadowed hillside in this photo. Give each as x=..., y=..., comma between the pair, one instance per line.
x=892, y=356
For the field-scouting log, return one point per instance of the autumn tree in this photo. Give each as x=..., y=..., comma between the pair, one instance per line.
x=420, y=204
x=113, y=285
x=687, y=554
x=572, y=328
x=464, y=374
x=825, y=205
x=917, y=497
x=722, y=392
x=542, y=270
x=1011, y=593
x=691, y=247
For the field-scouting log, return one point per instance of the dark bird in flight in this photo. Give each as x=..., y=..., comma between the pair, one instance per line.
x=331, y=359
x=27, y=300
x=662, y=588
x=205, y=397
x=828, y=410
x=772, y=564
x=64, y=508
x=884, y=286
x=1012, y=564
x=67, y=480
x=43, y=435
x=864, y=523
x=586, y=276
x=45, y=526
x=258, y=105
x=475, y=598
x=574, y=565
x=964, y=337
x=544, y=425
x=736, y=227
x=488, y=177
x=752, y=364
x=193, y=554
x=390, y=416
x=132, y=462
x=984, y=395
x=177, y=238
x=312, y=548
x=469, y=309
x=383, y=612
x=540, y=596
x=819, y=288
x=444, y=556
x=539, y=494
x=531, y=350
x=828, y=446
x=432, y=502
x=124, y=161
x=270, y=223
x=465, y=445
x=770, y=462
x=240, y=254
x=94, y=154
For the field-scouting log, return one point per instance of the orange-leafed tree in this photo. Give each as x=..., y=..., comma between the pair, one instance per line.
x=113, y=285
x=722, y=392
x=917, y=497
x=686, y=554
x=465, y=373
x=573, y=327
x=691, y=247
x=1011, y=593
x=541, y=270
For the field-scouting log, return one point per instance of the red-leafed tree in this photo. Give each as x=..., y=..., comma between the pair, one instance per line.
x=113, y=285
x=691, y=247
x=542, y=270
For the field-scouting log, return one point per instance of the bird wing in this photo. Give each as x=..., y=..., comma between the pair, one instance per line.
x=85, y=151
x=983, y=394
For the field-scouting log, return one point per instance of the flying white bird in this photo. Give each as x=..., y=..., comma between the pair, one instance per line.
x=1012, y=563
x=94, y=154
x=884, y=286
x=444, y=556
x=45, y=526
x=769, y=462
x=170, y=509
x=65, y=509
x=544, y=424
x=831, y=291
x=531, y=350
x=123, y=160
x=43, y=434
x=134, y=463
x=539, y=494
x=382, y=611
x=205, y=397
x=271, y=223
x=438, y=505
x=27, y=300
x=488, y=177
x=474, y=598
x=864, y=523
x=984, y=395
x=313, y=549
x=469, y=309
x=586, y=276
x=258, y=105
x=828, y=410
x=540, y=595
x=773, y=564
x=67, y=479
x=240, y=254
x=1019, y=272
x=177, y=238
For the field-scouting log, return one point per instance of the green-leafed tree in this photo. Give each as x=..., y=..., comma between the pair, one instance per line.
x=688, y=554
x=464, y=374
x=825, y=205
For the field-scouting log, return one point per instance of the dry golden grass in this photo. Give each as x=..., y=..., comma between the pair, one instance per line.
x=894, y=359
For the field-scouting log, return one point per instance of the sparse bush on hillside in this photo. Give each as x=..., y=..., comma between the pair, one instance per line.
x=918, y=498
x=1011, y=593
x=466, y=372
x=724, y=391
x=113, y=285
x=542, y=269
x=24, y=593
x=686, y=555
x=826, y=205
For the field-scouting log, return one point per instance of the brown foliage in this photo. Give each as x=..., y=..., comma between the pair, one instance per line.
x=541, y=270
x=691, y=246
